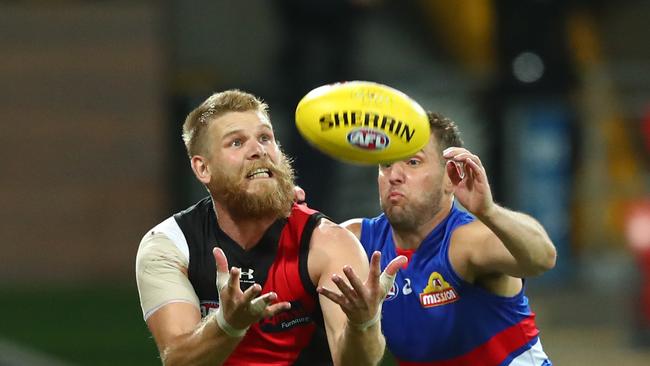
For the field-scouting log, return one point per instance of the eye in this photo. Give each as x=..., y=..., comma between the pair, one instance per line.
x=236, y=143
x=413, y=162
x=265, y=138
x=385, y=165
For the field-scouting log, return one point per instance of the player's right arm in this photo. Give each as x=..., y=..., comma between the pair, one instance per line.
x=171, y=307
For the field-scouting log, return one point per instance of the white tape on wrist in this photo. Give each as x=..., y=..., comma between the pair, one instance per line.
x=222, y=282
x=367, y=324
x=386, y=281
x=227, y=328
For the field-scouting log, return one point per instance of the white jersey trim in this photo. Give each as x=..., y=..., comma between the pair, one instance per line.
x=151, y=311
x=170, y=228
x=534, y=356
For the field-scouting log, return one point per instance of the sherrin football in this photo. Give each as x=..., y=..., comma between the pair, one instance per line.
x=362, y=122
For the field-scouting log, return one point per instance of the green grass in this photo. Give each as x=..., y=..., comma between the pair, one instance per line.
x=80, y=325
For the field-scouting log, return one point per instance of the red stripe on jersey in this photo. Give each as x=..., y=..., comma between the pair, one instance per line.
x=408, y=253
x=282, y=347
x=494, y=351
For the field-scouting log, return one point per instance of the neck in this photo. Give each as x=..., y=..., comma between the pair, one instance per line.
x=411, y=239
x=246, y=232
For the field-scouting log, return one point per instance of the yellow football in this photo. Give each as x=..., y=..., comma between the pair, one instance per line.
x=362, y=122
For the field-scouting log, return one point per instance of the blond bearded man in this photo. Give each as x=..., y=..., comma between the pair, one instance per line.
x=265, y=308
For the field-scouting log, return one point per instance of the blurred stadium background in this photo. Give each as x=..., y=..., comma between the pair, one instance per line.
x=554, y=95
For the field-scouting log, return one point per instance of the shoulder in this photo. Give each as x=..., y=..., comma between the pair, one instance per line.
x=303, y=216
x=354, y=226
x=464, y=226
x=467, y=241
x=469, y=236
x=203, y=205
x=163, y=235
x=331, y=247
x=195, y=216
x=470, y=231
x=327, y=231
x=156, y=249
x=161, y=274
x=373, y=224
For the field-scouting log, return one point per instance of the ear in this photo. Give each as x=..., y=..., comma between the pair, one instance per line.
x=201, y=168
x=447, y=182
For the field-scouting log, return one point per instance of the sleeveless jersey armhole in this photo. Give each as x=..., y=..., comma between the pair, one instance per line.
x=305, y=239
x=459, y=219
x=366, y=237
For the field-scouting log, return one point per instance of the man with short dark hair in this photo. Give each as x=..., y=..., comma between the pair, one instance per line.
x=460, y=300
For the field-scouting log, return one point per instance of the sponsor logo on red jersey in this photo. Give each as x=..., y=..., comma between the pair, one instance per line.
x=296, y=316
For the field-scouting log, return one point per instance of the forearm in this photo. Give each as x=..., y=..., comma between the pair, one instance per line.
x=361, y=347
x=524, y=237
x=208, y=344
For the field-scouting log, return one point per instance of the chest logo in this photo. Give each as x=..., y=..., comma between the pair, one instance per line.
x=438, y=292
x=246, y=275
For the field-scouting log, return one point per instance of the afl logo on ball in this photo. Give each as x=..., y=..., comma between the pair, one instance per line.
x=368, y=139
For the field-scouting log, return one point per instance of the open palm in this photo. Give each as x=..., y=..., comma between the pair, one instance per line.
x=471, y=186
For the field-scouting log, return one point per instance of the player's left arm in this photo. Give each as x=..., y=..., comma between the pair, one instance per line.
x=351, y=314
x=510, y=242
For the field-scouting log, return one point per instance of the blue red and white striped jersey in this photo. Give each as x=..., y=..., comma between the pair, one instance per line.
x=432, y=316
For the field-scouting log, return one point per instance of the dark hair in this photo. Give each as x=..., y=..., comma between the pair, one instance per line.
x=445, y=130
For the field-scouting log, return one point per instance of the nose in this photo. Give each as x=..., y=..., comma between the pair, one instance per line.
x=257, y=151
x=396, y=173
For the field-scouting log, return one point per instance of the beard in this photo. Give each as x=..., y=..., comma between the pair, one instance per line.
x=271, y=197
x=413, y=214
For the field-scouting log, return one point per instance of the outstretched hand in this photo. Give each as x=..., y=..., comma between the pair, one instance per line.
x=241, y=309
x=361, y=302
x=469, y=178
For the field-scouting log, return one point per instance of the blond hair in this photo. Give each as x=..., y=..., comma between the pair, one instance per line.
x=197, y=121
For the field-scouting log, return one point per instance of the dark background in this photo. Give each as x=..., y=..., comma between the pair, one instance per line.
x=553, y=95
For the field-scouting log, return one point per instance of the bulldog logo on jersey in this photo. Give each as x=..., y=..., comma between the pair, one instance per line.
x=392, y=293
x=438, y=292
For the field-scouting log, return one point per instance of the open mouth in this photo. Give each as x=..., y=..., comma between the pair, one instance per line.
x=259, y=173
